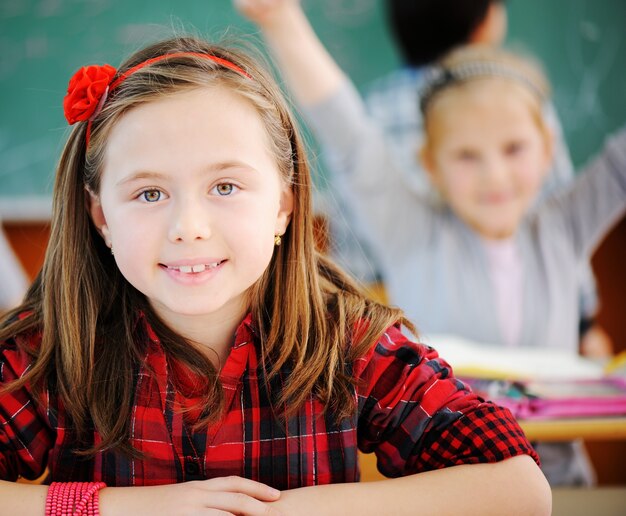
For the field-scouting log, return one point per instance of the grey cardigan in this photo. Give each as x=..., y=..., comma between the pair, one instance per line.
x=434, y=266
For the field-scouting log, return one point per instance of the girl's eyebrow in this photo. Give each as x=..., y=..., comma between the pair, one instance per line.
x=211, y=169
x=225, y=165
x=142, y=174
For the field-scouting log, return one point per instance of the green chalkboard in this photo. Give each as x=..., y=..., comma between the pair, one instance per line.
x=42, y=42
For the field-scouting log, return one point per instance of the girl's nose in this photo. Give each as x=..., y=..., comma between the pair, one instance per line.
x=494, y=169
x=190, y=221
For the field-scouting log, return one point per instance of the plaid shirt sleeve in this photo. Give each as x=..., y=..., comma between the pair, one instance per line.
x=25, y=436
x=417, y=417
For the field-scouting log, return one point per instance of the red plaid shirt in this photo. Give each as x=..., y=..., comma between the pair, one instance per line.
x=411, y=412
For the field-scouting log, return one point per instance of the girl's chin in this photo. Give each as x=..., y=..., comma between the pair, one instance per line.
x=498, y=233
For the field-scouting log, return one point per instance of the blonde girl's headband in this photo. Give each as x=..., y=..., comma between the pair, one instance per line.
x=90, y=85
x=441, y=77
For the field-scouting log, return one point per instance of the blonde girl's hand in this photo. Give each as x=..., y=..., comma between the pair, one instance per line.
x=264, y=12
x=218, y=496
x=596, y=343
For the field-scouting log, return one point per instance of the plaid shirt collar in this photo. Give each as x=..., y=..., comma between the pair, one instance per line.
x=233, y=369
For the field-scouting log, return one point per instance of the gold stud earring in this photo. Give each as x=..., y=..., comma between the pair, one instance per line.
x=277, y=240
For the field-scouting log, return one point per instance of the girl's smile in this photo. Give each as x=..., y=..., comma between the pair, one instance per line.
x=496, y=198
x=193, y=272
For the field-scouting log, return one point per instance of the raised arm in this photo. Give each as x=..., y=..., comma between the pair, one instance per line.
x=597, y=199
x=310, y=72
x=364, y=175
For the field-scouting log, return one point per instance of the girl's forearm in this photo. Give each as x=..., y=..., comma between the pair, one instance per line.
x=308, y=69
x=23, y=499
x=514, y=486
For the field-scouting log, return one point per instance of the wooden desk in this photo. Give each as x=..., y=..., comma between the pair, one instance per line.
x=590, y=429
x=604, y=501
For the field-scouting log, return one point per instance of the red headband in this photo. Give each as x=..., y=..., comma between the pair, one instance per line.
x=90, y=85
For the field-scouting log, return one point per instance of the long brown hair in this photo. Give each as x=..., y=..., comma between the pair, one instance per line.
x=305, y=308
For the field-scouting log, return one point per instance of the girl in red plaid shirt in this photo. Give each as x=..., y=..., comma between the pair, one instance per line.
x=186, y=350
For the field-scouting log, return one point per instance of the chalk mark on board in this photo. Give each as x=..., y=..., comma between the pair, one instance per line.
x=19, y=159
x=349, y=13
x=585, y=104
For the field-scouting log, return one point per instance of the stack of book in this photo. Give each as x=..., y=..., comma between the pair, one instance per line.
x=534, y=383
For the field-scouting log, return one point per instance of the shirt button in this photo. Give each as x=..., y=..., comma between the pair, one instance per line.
x=192, y=468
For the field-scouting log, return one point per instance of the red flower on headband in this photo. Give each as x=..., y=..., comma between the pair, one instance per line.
x=85, y=91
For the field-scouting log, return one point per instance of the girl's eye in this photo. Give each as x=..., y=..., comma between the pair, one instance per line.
x=225, y=189
x=466, y=155
x=514, y=148
x=151, y=195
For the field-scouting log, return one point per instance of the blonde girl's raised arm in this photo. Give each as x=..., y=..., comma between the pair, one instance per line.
x=514, y=486
x=308, y=69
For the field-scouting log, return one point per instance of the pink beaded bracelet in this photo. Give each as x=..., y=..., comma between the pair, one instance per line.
x=73, y=499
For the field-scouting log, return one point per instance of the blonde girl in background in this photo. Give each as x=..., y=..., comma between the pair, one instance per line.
x=488, y=268
x=186, y=350
x=424, y=32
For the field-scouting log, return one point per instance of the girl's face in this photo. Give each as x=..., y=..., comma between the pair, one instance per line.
x=190, y=200
x=487, y=154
